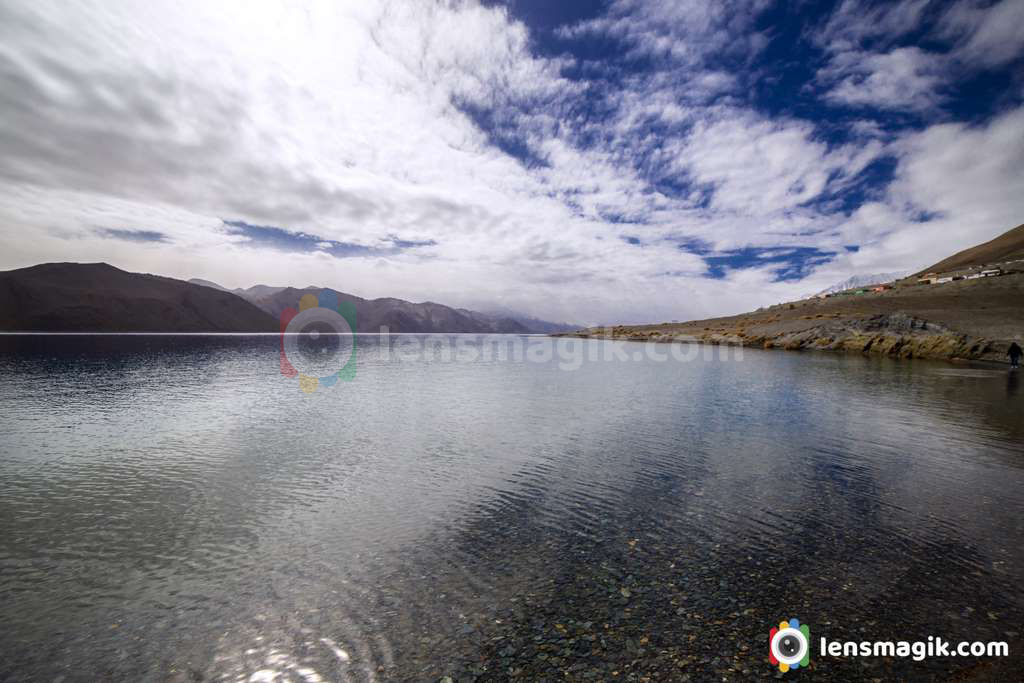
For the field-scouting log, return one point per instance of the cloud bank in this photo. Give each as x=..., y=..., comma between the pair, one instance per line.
x=653, y=160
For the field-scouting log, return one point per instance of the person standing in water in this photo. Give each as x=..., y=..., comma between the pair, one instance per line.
x=1014, y=352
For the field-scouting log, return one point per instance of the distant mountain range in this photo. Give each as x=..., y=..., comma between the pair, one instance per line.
x=863, y=281
x=398, y=315
x=97, y=297
x=535, y=324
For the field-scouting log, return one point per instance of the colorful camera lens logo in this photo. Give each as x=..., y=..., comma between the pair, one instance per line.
x=318, y=343
x=789, y=645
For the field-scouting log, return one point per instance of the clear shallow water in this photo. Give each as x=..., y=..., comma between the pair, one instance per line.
x=172, y=508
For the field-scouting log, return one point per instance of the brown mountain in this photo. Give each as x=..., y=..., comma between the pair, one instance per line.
x=395, y=314
x=1007, y=247
x=973, y=319
x=96, y=297
x=399, y=315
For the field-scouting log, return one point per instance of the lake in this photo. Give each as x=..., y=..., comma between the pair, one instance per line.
x=173, y=508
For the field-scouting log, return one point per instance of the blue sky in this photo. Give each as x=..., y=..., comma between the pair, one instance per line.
x=854, y=72
x=592, y=161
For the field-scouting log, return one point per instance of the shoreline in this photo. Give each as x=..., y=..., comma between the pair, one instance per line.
x=960, y=321
x=947, y=346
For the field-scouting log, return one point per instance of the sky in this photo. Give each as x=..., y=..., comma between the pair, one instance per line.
x=592, y=162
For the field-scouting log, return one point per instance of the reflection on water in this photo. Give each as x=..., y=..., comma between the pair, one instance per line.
x=173, y=508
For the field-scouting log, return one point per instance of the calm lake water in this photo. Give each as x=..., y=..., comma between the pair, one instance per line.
x=174, y=509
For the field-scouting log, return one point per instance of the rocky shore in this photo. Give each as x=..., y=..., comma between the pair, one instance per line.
x=970, y=320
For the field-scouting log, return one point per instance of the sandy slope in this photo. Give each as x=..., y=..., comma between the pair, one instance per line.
x=973, y=319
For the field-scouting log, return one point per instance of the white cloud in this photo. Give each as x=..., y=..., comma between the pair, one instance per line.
x=964, y=175
x=355, y=123
x=685, y=31
x=905, y=78
x=858, y=21
x=986, y=34
x=760, y=167
x=871, y=65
